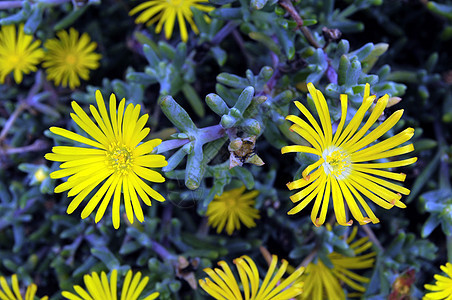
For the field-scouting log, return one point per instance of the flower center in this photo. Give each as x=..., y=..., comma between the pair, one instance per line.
x=230, y=202
x=71, y=59
x=175, y=3
x=15, y=59
x=337, y=162
x=120, y=158
x=40, y=175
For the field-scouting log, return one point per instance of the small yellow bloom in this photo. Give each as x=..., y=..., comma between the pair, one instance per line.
x=69, y=58
x=40, y=175
x=18, y=53
x=166, y=11
x=442, y=289
x=98, y=288
x=321, y=282
x=232, y=208
x=223, y=285
x=7, y=294
x=342, y=170
x=114, y=157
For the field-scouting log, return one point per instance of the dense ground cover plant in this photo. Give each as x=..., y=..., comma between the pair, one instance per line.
x=225, y=112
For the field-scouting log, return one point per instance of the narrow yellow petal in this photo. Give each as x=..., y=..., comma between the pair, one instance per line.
x=127, y=199
x=135, y=203
x=344, y=103
x=116, y=203
x=351, y=203
x=306, y=135
x=304, y=181
x=298, y=148
x=376, y=113
x=387, y=144
x=377, y=132
x=325, y=203
x=338, y=204
x=76, y=137
x=313, y=122
x=355, y=121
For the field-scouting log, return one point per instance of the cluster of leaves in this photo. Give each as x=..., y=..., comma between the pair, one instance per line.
x=248, y=63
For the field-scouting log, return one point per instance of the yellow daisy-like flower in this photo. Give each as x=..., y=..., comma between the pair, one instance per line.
x=99, y=288
x=225, y=287
x=18, y=53
x=232, y=208
x=40, y=175
x=442, y=289
x=7, y=294
x=321, y=282
x=69, y=58
x=342, y=170
x=115, y=157
x=166, y=11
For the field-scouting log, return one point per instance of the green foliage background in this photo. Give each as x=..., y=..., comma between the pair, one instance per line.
x=401, y=48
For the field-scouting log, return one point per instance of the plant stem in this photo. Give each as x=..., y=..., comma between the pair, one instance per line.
x=372, y=237
x=449, y=248
x=24, y=104
x=162, y=252
x=171, y=144
x=224, y=32
x=18, y=4
x=444, y=178
x=38, y=145
x=308, y=259
x=9, y=123
x=205, y=135
x=11, y=4
x=288, y=6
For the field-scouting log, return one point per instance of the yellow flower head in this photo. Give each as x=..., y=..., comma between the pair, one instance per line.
x=166, y=11
x=232, y=208
x=98, y=288
x=224, y=285
x=442, y=289
x=321, y=282
x=40, y=175
x=69, y=58
x=342, y=171
x=7, y=294
x=114, y=156
x=18, y=53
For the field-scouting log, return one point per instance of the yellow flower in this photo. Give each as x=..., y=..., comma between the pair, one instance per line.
x=442, y=289
x=114, y=157
x=342, y=171
x=40, y=175
x=225, y=287
x=232, y=208
x=18, y=53
x=69, y=58
x=166, y=11
x=98, y=288
x=7, y=294
x=321, y=282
